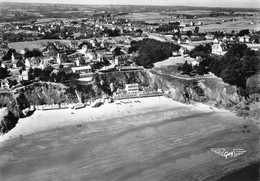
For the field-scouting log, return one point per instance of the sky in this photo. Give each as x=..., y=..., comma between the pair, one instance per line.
x=209, y=3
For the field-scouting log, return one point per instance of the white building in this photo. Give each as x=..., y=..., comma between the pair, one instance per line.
x=244, y=39
x=58, y=59
x=4, y=84
x=132, y=87
x=209, y=37
x=215, y=40
x=218, y=49
x=82, y=70
x=24, y=76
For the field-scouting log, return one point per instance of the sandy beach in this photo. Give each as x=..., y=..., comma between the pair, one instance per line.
x=138, y=139
x=51, y=119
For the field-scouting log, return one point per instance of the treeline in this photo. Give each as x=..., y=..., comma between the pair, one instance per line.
x=168, y=27
x=235, y=67
x=150, y=51
x=12, y=37
x=28, y=54
x=23, y=17
x=49, y=74
x=32, y=53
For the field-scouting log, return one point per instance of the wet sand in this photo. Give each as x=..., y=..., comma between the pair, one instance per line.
x=157, y=139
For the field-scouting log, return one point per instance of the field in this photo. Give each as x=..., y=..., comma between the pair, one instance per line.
x=49, y=20
x=18, y=46
x=209, y=24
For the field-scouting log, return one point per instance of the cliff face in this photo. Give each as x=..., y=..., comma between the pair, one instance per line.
x=7, y=120
x=8, y=100
x=207, y=90
x=253, y=84
x=211, y=90
x=42, y=93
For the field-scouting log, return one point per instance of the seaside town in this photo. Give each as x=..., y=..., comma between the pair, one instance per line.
x=99, y=44
x=167, y=75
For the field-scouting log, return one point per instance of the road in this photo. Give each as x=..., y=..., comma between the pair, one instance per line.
x=189, y=78
x=166, y=144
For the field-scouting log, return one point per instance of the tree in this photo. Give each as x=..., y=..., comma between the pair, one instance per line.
x=139, y=31
x=186, y=68
x=201, y=51
x=3, y=73
x=244, y=32
x=196, y=30
x=200, y=69
x=168, y=27
x=189, y=33
x=151, y=51
x=9, y=53
x=117, y=51
x=33, y=53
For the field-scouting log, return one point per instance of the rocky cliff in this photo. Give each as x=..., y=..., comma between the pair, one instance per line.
x=211, y=90
x=207, y=90
x=43, y=93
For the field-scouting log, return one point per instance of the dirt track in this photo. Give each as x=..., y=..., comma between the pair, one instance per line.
x=166, y=144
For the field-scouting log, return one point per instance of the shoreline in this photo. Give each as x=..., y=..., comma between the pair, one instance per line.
x=156, y=138
x=48, y=120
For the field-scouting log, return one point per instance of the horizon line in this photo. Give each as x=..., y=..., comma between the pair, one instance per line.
x=161, y=5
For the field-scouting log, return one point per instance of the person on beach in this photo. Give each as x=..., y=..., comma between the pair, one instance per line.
x=186, y=95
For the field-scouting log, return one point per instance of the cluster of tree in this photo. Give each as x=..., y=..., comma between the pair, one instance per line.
x=111, y=33
x=64, y=15
x=48, y=74
x=217, y=14
x=8, y=55
x=150, y=51
x=32, y=53
x=219, y=34
x=20, y=17
x=3, y=73
x=51, y=35
x=63, y=77
x=10, y=52
x=235, y=67
x=244, y=32
x=167, y=28
x=12, y=37
x=186, y=68
x=201, y=51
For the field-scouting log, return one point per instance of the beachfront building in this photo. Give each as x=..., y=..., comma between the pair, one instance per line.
x=132, y=87
x=82, y=70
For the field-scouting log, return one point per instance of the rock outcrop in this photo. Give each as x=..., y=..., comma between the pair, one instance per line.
x=207, y=90
x=7, y=120
x=214, y=90
x=40, y=94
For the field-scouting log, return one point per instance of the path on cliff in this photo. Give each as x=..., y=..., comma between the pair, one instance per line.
x=162, y=144
x=189, y=78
